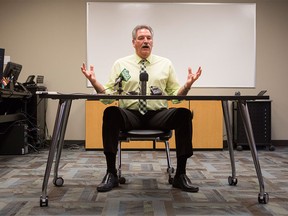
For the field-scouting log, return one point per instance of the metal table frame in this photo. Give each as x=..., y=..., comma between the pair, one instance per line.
x=64, y=106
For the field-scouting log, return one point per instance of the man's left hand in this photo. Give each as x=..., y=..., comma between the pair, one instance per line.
x=191, y=78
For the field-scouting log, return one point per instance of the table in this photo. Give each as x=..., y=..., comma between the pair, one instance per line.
x=7, y=95
x=64, y=106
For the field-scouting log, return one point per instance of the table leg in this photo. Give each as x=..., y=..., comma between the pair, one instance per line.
x=57, y=141
x=244, y=112
x=232, y=180
x=59, y=181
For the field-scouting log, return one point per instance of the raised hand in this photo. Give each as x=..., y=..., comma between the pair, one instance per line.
x=191, y=78
x=89, y=74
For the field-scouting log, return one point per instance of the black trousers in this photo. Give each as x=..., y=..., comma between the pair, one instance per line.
x=178, y=119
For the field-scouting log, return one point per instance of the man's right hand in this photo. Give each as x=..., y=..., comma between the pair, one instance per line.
x=89, y=74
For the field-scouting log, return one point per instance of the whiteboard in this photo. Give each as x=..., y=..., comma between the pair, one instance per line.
x=219, y=37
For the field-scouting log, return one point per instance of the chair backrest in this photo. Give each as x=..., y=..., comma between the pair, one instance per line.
x=159, y=135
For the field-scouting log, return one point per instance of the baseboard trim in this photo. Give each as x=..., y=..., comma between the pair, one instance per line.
x=275, y=143
x=69, y=143
x=280, y=142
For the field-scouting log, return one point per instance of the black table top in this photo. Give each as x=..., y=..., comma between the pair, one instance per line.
x=76, y=96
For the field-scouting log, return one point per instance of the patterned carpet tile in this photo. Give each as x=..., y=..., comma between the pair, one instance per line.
x=147, y=191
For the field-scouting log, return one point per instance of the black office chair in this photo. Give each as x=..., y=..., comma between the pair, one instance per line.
x=146, y=135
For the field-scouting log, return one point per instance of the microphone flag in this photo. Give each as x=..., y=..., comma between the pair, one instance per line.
x=124, y=76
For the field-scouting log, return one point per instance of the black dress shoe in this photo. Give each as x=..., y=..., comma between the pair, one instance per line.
x=184, y=183
x=109, y=181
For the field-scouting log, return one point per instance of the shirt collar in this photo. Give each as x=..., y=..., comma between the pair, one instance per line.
x=138, y=59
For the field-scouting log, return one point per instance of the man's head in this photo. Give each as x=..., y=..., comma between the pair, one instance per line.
x=142, y=39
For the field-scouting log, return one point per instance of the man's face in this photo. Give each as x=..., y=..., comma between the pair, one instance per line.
x=143, y=43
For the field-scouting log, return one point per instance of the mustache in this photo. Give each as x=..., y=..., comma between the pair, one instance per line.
x=145, y=46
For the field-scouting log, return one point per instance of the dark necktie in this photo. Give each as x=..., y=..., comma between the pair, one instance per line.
x=142, y=102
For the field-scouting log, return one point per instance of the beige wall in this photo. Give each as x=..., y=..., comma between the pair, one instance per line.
x=49, y=38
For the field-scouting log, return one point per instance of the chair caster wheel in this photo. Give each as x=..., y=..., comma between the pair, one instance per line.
x=43, y=201
x=271, y=148
x=232, y=181
x=239, y=148
x=58, y=181
x=122, y=180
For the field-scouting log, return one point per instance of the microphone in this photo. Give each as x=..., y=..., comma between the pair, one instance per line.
x=124, y=75
x=143, y=77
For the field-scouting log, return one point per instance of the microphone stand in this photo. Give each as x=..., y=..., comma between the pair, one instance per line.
x=120, y=89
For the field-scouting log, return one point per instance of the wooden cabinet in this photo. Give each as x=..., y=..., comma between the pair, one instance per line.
x=94, y=116
x=207, y=126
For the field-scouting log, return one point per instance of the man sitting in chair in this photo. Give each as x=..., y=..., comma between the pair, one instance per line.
x=154, y=114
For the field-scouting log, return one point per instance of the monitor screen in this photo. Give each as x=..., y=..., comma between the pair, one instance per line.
x=11, y=73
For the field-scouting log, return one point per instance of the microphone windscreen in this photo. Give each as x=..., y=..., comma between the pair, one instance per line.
x=143, y=77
